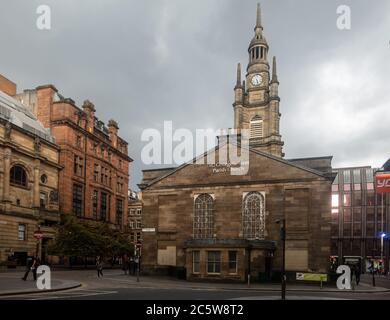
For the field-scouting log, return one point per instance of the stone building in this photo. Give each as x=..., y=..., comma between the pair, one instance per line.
x=212, y=224
x=94, y=181
x=29, y=170
x=135, y=216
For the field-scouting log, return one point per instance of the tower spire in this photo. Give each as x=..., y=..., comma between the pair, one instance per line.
x=258, y=17
x=274, y=73
x=238, y=75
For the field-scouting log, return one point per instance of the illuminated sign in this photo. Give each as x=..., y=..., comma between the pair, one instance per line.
x=382, y=183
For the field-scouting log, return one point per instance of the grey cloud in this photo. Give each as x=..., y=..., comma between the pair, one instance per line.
x=142, y=62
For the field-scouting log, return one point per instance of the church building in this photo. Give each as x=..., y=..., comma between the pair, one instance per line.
x=203, y=223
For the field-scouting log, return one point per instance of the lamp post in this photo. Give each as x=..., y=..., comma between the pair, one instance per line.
x=372, y=267
x=282, y=223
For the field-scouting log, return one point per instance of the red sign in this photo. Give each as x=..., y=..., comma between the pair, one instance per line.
x=382, y=183
x=38, y=235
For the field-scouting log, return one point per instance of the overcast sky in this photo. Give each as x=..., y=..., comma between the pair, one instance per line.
x=143, y=62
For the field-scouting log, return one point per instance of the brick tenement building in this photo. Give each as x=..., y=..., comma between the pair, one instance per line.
x=94, y=181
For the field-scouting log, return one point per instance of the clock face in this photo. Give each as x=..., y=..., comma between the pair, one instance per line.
x=257, y=80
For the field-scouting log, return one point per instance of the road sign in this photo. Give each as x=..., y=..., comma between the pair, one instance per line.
x=38, y=235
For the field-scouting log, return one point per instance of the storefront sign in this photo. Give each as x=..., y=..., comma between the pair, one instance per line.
x=312, y=277
x=382, y=183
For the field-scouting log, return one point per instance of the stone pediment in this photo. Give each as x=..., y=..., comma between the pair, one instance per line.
x=262, y=168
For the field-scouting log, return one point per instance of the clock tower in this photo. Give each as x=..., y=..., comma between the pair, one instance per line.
x=256, y=103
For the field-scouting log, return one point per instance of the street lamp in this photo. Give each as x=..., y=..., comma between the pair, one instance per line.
x=383, y=236
x=282, y=223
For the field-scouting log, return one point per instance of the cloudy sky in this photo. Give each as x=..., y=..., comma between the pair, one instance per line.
x=143, y=62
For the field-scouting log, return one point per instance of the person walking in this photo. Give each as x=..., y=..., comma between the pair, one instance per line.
x=99, y=266
x=125, y=264
x=357, y=274
x=35, y=267
x=30, y=266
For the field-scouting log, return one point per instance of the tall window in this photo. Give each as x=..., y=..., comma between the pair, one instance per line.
x=204, y=217
x=96, y=172
x=253, y=216
x=103, y=206
x=195, y=261
x=119, y=211
x=77, y=199
x=78, y=166
x=119, y=184
x=213, y=262
x=256, y=127
x=78, y=142
x=42, y=200
x=21, y=232
x=94, y=204
x=232, y=262
x=18, y=176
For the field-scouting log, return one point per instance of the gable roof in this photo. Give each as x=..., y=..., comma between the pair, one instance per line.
x=294, y=163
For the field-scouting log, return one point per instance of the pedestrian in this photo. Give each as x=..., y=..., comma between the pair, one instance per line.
x=125, y=264
x=358, y=273
x=35, y=267
x=30, y=266
x=353, y=276
x=131, y=266
x=99, y=266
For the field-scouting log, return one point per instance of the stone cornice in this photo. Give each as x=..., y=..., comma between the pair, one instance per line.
x=16, y=148
x=233, y=183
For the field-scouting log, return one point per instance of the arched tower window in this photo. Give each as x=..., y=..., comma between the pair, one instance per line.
x=253, y=216
x=18, y=176
x=256, y=128
x=204, y=217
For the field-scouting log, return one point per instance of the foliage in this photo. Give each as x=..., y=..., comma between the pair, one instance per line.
x=79, y=238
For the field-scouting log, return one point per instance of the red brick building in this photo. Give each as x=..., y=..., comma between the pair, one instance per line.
x=94, y=182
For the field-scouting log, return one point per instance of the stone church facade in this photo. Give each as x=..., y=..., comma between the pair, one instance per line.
x=210, y=224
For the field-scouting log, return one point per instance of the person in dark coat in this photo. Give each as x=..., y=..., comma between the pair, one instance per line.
x=99, y=266
x=357, y=274
x=31, y=266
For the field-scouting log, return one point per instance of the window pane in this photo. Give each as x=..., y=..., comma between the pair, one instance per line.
x=347, y=200
x=203, y=224
x=195, y=261
x=347, y=176
x=335, y=200
x=356, y=176
x=369, y=175
x=232, y=261
x=347, y=215
x=357, y=198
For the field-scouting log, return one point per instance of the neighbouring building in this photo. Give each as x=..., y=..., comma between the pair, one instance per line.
x=210, y=224
x=359, y=218
x=94, y=181
x=29, y=170
x=135, y=216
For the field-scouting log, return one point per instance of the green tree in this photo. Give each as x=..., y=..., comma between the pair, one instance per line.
x=77, y=238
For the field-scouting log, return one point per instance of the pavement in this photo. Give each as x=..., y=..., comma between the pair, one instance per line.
x=116, y=285
x=12, y=284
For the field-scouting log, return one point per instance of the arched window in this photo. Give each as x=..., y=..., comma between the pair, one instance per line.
x=204, y=217
x=253, y=216
x=256, y=127
x=18, y=176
